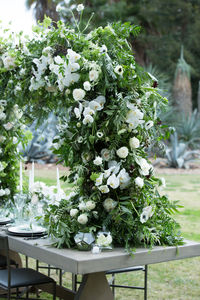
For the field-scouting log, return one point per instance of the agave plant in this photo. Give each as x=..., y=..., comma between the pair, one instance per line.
x=178, y=155
x=188, y=128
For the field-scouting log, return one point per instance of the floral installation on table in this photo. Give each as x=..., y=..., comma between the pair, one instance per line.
x=108, y=117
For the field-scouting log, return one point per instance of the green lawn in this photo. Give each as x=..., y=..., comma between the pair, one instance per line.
x=176, y=280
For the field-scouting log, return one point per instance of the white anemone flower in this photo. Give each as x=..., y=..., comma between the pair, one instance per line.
x=80, y=7
x=113, y=181
x=103, y=49
x=99, y=134
x=119, y=70
x=147, y=213
x=148, y=125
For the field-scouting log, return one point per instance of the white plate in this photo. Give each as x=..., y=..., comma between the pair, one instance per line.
x=4, y=220
x=26, y=229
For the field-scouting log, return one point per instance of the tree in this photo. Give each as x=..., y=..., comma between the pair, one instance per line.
x=182, y=90
x=42, y=8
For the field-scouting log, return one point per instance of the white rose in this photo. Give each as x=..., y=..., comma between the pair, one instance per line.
x=2, y=116
x=80, y=7
x=73, y=212
x=83, y=219
x=82, y=206
x=8, y=126
x=98, y=161
x=109, y=204
x=122, y=152
x=2, y=192
x=139, y=182
x=15, y=140
x=78, y=94
x=93, y=75
x=7, y=191
x=104, y=189
x=90, y=205
x=87, y=86
x=134, y=143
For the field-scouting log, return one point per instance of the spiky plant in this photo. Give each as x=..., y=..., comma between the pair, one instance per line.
x=182, y=90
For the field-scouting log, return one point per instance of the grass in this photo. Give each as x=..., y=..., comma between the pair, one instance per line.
x=175, y=280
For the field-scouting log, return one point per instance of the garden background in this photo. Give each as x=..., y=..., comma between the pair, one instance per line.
x=167, y=47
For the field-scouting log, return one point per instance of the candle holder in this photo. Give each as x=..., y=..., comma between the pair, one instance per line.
x=84, y=240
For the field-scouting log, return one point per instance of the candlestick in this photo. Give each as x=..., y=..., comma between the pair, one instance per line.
x=58, y=181
x=30, y=180
x=33, y=173
x=20, y=176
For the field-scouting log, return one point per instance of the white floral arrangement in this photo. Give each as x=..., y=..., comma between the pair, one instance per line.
x=109, y=116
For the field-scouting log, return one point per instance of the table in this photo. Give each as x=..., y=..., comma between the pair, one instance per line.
x=93, y=266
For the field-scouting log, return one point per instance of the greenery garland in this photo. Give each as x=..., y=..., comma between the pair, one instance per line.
x=108, y=115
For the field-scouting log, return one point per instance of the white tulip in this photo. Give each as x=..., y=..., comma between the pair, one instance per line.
x=113, y=181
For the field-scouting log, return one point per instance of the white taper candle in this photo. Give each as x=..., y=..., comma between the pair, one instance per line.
x=20, y=176
x=58, y=181
x=30, y=180
x=33, y=173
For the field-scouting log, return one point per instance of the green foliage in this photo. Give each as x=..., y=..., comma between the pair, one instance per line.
x=108, y=115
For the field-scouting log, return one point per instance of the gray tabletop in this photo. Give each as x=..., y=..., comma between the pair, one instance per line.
x=82, y=262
